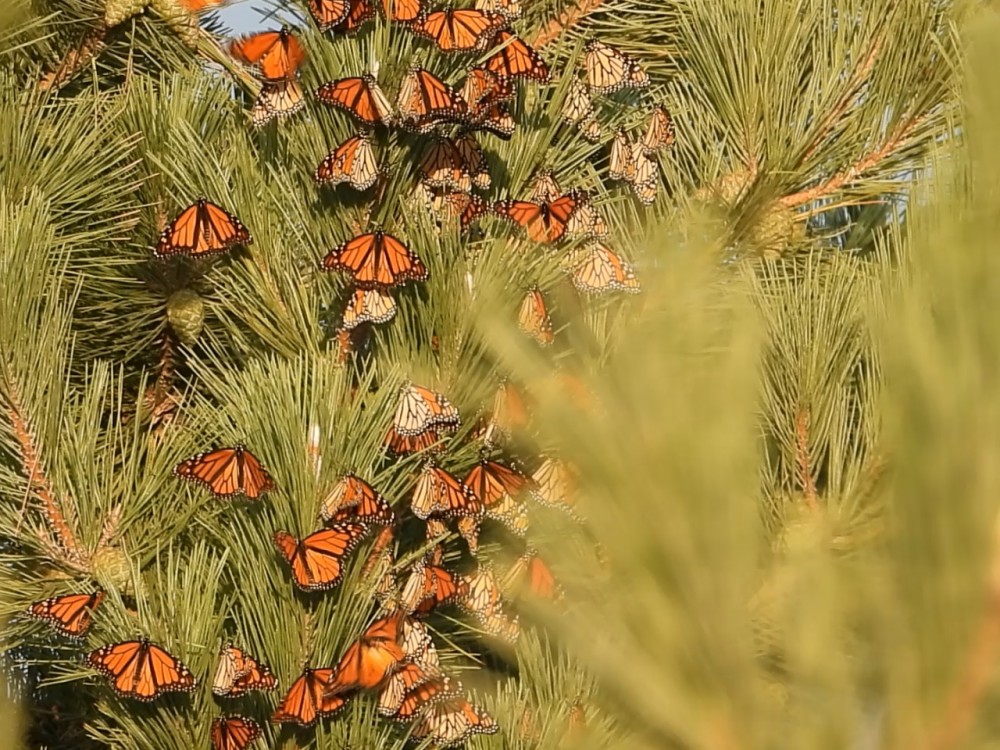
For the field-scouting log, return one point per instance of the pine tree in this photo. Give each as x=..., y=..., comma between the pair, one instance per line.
x=728, y=432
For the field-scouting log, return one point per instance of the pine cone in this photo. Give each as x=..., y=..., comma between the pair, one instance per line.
x=186, y=315
x=177, y=17
x=111, y=566
x=117, y=11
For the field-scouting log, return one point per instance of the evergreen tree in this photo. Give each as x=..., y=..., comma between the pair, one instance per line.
x=758, y=552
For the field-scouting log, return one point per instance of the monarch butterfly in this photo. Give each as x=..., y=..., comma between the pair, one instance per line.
x=554, y=484
x=459, y=30
x=493, y=483
x=610, y=70
x=452, y=721
x=495, y=119
x=420, y=408
x=368, y=306
x=545, y=221
x=497, y=488
x=509, y=413
x=462, y=207
x=202, y=229
x=280, y=99
x=305, y=701
x=482, y=88
x=442, y=166
x=599, y=269
x=238, y=673
x=411, y=688
x=645, y=176
x=425, y=100
x=317, y=560
x=433, y=687
x=586, y=221
x=70, y=614
x=437, y=491
x=361, y=96
x=660, y=131
x=353, y=162
x=511, y=9
x=429, y=586
x=227, y=472
x=233, y=732
x=403, y=11
x=141, y=670
x=435, y=529
x=359, y=12
x=483, y=601
x=475, y=161
x=417, y=644
x=533, y=318
x=538, y=578
x=277, y=54
x=403, y=445
x=578, y=109
x=353, y=499
x=329, y=13
x=376, y=259
x=544, y=187
x=371, y=658
x=515, y=59
x=194, y=6
x=621, y=166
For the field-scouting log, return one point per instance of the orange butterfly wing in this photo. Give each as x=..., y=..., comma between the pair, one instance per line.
x=353, y=499
x=438, y=492
x=459, y=30
x=533, y=318
x=227, y=472
x=452, y=721
x=317, y=560
x=371, y=658
x=358, y=14
x=357, y=96
x=493, y=482
x=376, y=260
x=259, y=677
x=403, y=11
x=432, y=689
x=233, y=732
x=278, y=54
x=440, y=587
x=353, y=161
x=329, y=13
x=425, y=100
x=202, y=229
x=304, y=702
x=141, y=670
x=515, y=59
x=403, y=445
x=70, y=614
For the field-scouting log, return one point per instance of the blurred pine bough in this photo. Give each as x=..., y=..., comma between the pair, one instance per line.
x=850, y=599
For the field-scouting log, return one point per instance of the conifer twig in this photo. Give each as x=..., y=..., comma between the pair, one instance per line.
x=978, y=667
x=38, y=483
x=75, y=59
x=565, y=20
x=856, y=170
x=803, y=461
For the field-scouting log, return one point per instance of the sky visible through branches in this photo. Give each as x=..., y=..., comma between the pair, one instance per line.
x=242, y=15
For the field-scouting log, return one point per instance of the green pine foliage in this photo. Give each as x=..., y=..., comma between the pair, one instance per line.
x=780, y=450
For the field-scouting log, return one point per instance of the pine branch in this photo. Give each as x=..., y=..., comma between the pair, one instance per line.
x=74, y=60
x=38, y=483
x=857, y=170
x=564, y=21
x=803, y=461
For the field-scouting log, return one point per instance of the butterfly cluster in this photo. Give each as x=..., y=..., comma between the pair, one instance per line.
x=395, y=657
